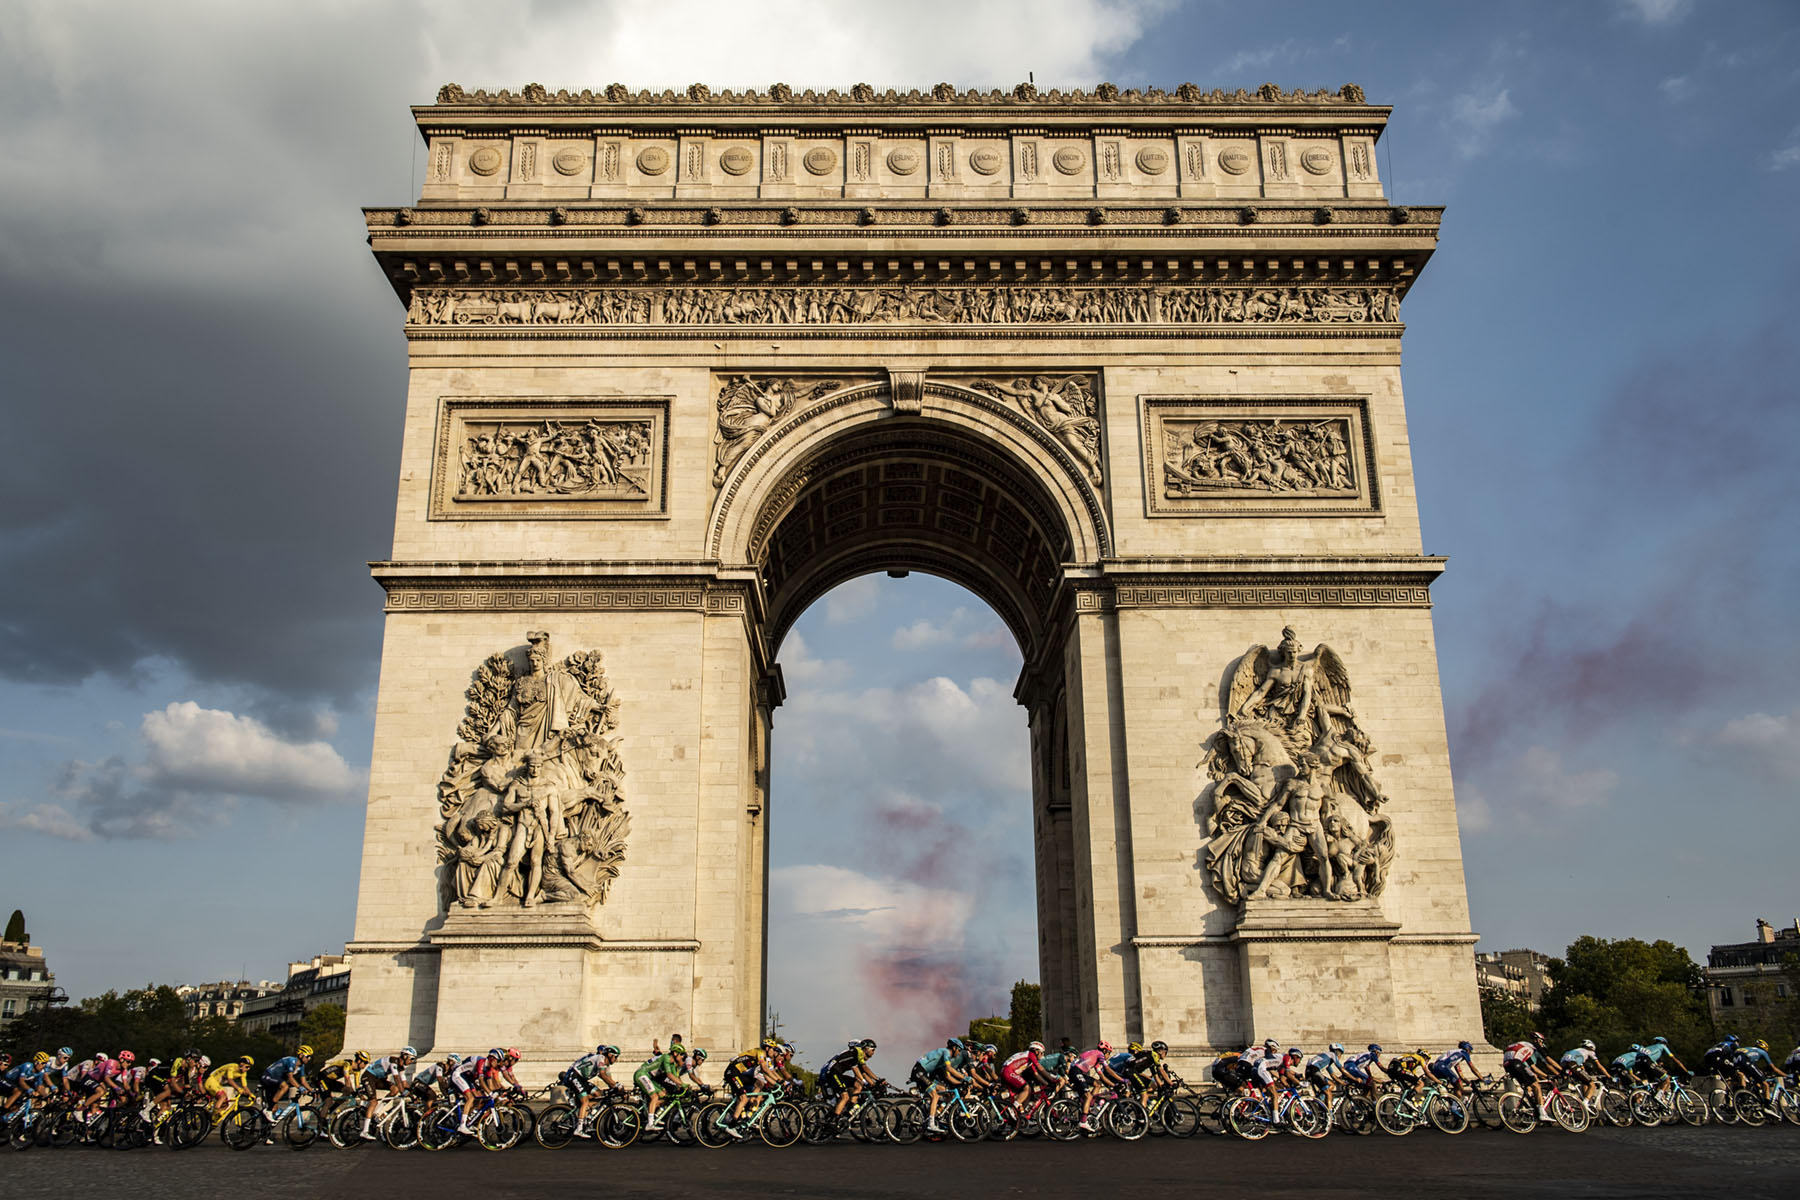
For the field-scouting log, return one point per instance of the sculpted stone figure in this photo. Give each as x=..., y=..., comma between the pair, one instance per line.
x=531, y=805
x=559, y=458
x=1293, y=809
x=747, y=407
x=1261, y=455
x=1063, y=405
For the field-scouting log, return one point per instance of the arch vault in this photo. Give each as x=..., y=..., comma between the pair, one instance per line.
x=1126, y=365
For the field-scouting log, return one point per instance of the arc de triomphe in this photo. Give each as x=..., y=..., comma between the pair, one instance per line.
x=1125, y=364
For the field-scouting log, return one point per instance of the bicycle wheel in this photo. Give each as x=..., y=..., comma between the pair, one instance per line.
x=1179, y=1117
x=242, y=1129
x=1244, y=1117
x=1211, y=1108
x=1615, y=1110
x=1309, y=1118
x=1518, y=1113
x=1645, y=1110
x=437, y=1128
x=1750, y=1108
x=1127, y=1120
x=1722, y=1107
x=1688, y=1106
x=1447, y=1113
x=968, y=1124
x=818, y=1123
x=21, y=1132
x=1395, y=1114
x=302, y=1127
x=345, y=1126
x=904, y=1120
x=677, y=1126
x=555, y=1127
x=400, y=1128
x=619, y=1125
x=1787, y=1105
x=1568, y=1112
x=780, y=1125
x=100, y=1130
x=869, y=1123
x=707, y=1130
x=1484, y=1108
x=1356, y=1114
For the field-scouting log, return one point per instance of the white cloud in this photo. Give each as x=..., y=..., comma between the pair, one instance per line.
x=852, y=601
x=1537, y=788
x=192, y=768
x=51, y=820
x=1473, y=812
x=935, y=734
x=1475, y=114
x=1676, y=88
x=802, y=669
x=1787, y=156
x=963, y=627
x=1655, y=12
x=1769, y=742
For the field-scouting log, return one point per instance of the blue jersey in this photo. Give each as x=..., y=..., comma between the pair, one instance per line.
x=1121, y=1062
x=1756, y=1056
x=1654, y=1051
x=1323, y=1063
x=935, y=1061
x=282, y=1069
x=1359, y=1065
x=1448, y=1062
x=1625, y=1062
x=1055, y=1064
x=21, y=1075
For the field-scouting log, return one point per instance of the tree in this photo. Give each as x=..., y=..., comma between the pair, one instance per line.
x=1027, y=1014
x=1505, y=1016
x=322, y=1028
x=15, y=927
x=1625, y=991
x=994, y=1030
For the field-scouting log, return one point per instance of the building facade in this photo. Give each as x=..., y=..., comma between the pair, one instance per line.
x=223, y=999
x=322, y=979
x=1126, y=364
x=1744, y=980
x=26, y=981
x=1521, y=973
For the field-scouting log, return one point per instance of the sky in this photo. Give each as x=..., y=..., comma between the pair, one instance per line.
x=202, y=374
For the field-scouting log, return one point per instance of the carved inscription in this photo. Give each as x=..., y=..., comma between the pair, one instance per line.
x=904, y=305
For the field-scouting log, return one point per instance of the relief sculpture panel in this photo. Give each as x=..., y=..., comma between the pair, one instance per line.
x=551, y=456
x=532, y=808
x=1063, y=404
x=1226, y=456
x=748, y=406
x=1293, y=811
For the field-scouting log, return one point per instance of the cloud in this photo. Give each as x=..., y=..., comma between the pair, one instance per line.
x=1787, y=155
x=1288, y=52
x=1655, y=12
x=851, y=601
x=962, y=627
x=192, y=768
x=800, y=668
x=1476, y=114
x=1537, y=786
x=936, y=734
x=1676, y=88
x=1770, y=743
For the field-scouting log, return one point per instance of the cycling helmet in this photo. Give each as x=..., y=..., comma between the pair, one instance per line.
x=1036, y=1047
x=205, y=1062
x=1469, y=1047
x=868, y=1043
x=1271, y=1044
x=246, y=1061
x=1294, y=1050
x=1761, y=1045
x=1135, y=1047
x=304, y=1051
x=1374, y=1049
x=409, y=1052
x=1587, y=1043
x=1104, y=1047
x=5, y=1059
x=193, y=1053
x=1659, y=1040
x=361, y=1056
x=604, y=1049
x=512, y=1055
x=699, y=1055
x=496, y=1052
x=1160, y=1047
x=127, y=1057
x=1636, y=1049
x=953, y=1044
x=1537, y=1037
x=1337, y=1048
x=770, y=1043
x=989, y=1048
x=39, y=1059
x=154, y=1063
x=65, y=1052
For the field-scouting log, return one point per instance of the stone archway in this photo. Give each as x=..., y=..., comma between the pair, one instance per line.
x=1125, y=364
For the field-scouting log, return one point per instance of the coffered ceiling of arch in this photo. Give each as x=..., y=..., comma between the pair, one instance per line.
x=914, y=496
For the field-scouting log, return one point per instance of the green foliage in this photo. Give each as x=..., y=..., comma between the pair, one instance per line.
x=15, y=927
x=1625, y=991
x=1505, y=1018
x=1027, y=1014
x=996, y=1030
x=152, y=1022
x=322, y=1028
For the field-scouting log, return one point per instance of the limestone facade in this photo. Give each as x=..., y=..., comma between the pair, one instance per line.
x=1126, y=364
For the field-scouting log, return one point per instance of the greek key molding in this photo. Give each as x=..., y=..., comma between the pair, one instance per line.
x=1348, y=591
x=451, y=597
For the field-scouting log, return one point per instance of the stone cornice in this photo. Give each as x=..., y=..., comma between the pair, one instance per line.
x=1397, y=581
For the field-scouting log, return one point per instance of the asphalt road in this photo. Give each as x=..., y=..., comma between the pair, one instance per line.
x=1745, y=1164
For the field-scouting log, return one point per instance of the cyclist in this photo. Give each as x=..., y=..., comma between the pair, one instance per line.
x=1261, y=1061
x=1583, y=1064
x=579, y=1078
x=660, y=1077
x=1527, y=1063
x=1024, y=1072
x=1717, y=1059
x=1755, y=1067
x=433, y=1080
x=465, y=1081
x=132, y=1078
x=1361, y=1069
x=1792, y=1066
x=1408, y=1069
x=108, y=1079
x=1149, y=1068
x=847, y=1072
x=984, y=1068
x=182, y=1078
x=936, y=1073
x=1325, y=1070
x=1449, y=1066
x=22, y=1079
x=341, y=1076
x=1657, y=1050
x=385, y=1078
x=1289, y=1071
x=1624, y=1067
x=58, y=1075
x=1230, y=1071
x=283, y=1077
x=228, y=1082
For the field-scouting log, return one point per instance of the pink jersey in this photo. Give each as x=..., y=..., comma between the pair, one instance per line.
x=1088, y=1061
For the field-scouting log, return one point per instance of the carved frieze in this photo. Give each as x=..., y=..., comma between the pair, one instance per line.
x=532, y=806
x=904, y=305
x=1293, y=809
x=1225, y=456
x=560, y=457
x=698, y=95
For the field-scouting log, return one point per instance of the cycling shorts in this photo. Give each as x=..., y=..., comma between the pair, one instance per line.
x=1447, y=1074
x=741, y=1082
x=1317, y=1078
x=1260, y=1069
x=461, y=1082
x=1012, y=1079
x=573, y=1080
x=1520, y=1071
x=269, y=1088
x=842, y=1081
